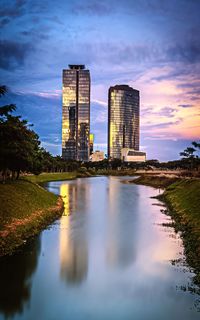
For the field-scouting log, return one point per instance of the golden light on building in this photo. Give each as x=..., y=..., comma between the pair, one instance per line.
x=91, y=143
x=76, y=113
x=123, y=119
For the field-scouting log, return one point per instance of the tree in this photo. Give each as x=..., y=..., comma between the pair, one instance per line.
x=19, y=145
x=189, y=155
x=5, y=110
x=3, y=90
x=196, y=145
x=115, y=163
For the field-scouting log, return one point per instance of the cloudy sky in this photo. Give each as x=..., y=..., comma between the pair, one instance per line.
x=152, y=45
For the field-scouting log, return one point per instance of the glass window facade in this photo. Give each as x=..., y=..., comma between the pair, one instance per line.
x=76, y=113
x=91, y=143
x=123, y=119
x=136, y=153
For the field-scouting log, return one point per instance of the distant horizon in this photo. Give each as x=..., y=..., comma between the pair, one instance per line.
x=148, y=46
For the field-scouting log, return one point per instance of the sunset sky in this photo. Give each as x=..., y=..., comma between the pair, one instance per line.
x=154, y=46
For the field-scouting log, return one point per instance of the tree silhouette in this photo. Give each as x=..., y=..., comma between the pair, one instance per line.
x=189, y=155
x=19, y=145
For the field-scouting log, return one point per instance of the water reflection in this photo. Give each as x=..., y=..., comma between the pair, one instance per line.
x=122, y=215
x=15, y=277
x=109, y=257
x=73, y=244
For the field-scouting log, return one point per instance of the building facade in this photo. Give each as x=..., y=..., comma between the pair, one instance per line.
x=97, y=156
x=123, y=119
x=131, y=155
x=76, y=113
x=91, y=143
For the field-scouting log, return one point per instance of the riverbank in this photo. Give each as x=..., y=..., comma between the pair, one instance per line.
x=157, y=181
x=182, y=197
x=26, y=209
x=57, y=176
x=142, y=173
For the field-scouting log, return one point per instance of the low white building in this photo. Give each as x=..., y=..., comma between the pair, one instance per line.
x=97, y=156
x=131, y=155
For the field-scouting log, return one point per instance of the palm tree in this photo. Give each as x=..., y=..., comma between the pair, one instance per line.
x=5, y=110
x=3, y=90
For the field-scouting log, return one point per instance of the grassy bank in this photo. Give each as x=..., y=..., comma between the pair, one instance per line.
x=57, y=176
x=182, y=197
x=156, y=181
x=113, y=172
x=141, y=173
x=26, y=209
x=46, y=177
x=183, y=200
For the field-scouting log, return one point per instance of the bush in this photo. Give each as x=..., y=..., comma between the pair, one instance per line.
x=91, y=170
x=82, y=170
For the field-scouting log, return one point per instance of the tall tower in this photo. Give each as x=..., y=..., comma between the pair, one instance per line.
x=123, y=119
x=76, y=113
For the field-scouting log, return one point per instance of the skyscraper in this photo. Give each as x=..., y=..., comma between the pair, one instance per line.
x=123, y=119
x=76, y=113
x=91, y=143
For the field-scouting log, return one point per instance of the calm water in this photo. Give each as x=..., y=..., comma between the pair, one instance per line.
x=108, y=257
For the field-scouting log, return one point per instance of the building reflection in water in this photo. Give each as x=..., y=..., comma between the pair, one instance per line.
x=73, y=241
x=122, y=231
x=16, y=273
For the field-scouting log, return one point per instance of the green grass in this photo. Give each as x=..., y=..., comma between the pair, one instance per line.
x=20, y=198
x=26, y=208
x=45, y=177
x=185, y=195
x=156, y=181
x=183, y=199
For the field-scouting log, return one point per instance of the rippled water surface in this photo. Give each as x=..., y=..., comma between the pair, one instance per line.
x=108, y=257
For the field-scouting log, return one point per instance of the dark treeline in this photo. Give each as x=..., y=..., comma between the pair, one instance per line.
x=21, y=152
x=182, y=164
x=190, y=161
x=20, y=149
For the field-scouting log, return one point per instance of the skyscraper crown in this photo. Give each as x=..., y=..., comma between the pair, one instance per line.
x=77, y=66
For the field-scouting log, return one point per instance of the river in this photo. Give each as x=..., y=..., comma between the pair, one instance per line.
x=108, y=257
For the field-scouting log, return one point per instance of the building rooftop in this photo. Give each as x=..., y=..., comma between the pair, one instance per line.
x=77, y=66
x=124, y=87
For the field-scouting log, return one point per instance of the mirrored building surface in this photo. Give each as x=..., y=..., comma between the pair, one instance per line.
x=123, y=119
x=91, y=143
x=76, y=113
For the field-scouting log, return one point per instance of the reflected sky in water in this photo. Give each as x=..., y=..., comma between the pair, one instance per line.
x=108, y=257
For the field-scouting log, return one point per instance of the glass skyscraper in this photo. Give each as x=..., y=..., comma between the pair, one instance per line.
x=76, y=113
x=123, y=119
